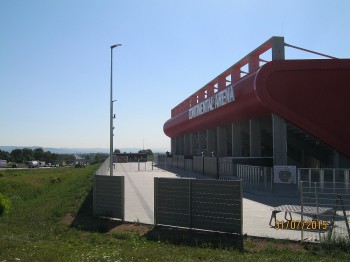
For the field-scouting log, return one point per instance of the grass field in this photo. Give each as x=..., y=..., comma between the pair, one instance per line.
x=51, y=220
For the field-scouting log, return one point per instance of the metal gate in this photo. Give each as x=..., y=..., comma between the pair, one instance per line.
x=325, y=208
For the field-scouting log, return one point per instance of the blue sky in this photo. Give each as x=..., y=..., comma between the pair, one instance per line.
x=55, y=60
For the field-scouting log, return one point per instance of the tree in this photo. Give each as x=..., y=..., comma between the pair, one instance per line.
x=87, y=157
x=4, y=155
x=27, y=154
x=17, y=155
x=65, y=157
x=54, y=158
x=38, y=154
x=100, y=157
x=146, y=151
x=116, y=151
x=47, y=157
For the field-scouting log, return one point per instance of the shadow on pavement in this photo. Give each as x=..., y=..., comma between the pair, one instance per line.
x=183, y=173
x=272, y=200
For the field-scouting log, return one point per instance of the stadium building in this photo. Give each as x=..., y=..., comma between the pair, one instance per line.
x=273, y=112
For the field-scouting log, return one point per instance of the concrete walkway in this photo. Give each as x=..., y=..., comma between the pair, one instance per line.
x=139, y=202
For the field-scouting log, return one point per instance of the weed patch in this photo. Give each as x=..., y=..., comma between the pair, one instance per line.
x=4, y=205
x=333, y=243
x=55, y=180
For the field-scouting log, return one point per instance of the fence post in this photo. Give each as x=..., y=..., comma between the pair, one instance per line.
x=346, y=180
x=241, y=196
x=321, y=179
x=189, y=202
x=272, y=175
x=302, y=212
x=155, y=200
x=310, y=176
x=94, y=195
x=203, y=165
x=217, y=168
x=317, y=210
x=122, y=197
x=299, y=181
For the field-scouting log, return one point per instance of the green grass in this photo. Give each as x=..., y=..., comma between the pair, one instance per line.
x=35, y=228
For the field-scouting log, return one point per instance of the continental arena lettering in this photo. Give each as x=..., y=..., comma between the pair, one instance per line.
x=213, y=102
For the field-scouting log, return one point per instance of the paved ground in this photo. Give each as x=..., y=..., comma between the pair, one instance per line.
x=139, y=189
x=139, y=202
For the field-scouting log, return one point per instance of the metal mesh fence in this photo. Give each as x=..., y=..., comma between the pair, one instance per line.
x=325, y=210
x=255, y=178
x=136, y=167
x=324, y=175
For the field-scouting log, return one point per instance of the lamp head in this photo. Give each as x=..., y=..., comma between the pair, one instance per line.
x=116, y=45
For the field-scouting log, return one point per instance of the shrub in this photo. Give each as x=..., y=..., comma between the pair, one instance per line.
x=55, y=180
x=336, y=242
x=4, y=205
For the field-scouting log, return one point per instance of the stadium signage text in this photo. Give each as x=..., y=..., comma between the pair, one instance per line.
x=217, y=100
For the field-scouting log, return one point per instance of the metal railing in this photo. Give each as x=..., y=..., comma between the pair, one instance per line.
x=162, y=161
x=325, y=208
x=325, y=175
x=103, y=170
x=136, y=166
x=247, y=65
x=255, y=178
x=188, y=165
x=243, y=67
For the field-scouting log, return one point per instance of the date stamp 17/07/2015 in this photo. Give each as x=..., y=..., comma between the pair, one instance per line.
x=301, y=225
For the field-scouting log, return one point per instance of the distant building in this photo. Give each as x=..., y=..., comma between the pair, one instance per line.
x=3, y=163
x=130, y=157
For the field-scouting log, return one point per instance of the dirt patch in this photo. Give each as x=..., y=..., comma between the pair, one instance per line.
x=68, y=219
x=132, y=228
x=104, y=225
x=259, y=244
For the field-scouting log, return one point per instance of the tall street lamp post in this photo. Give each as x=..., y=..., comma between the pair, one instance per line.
x=111, y=116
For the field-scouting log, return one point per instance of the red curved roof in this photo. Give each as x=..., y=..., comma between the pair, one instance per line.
x=312, y=94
